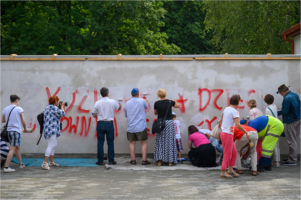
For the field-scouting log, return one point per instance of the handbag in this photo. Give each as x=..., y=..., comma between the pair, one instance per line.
x=159, y=124
x=4, y=132
x=244, y=155
x=217, y=130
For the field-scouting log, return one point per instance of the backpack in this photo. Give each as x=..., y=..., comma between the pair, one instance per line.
x=40, y=118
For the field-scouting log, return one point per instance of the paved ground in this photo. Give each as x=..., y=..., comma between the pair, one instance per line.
x=100, y=183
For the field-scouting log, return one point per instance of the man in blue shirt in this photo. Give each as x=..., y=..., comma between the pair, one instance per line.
x=291, y=116
x=135, y=113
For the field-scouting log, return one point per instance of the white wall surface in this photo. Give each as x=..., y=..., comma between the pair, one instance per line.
x=204, y=87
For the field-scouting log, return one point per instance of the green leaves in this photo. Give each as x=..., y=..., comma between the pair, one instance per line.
x=251, y=27
x=79, y=27
x=146, y=27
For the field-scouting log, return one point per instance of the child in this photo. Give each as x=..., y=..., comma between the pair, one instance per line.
x=272, y=111
x=254, y=112
x=178, y=135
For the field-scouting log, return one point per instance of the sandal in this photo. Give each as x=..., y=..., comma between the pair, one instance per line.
x=159, y=163
x=145, y=162
x=225, y=175
x=170, y=164
x=234, y=174
x=239, y=171
x=133, y=162
x=45, y=166
x=255, y=173
x=53, y=164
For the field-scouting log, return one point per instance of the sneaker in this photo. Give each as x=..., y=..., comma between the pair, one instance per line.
x=260, y=168
x=268, y=168
x=284, y=160
x=98, y=163
x=113, y=163
x=22, y=166
x=8, y=169
x=289, y=163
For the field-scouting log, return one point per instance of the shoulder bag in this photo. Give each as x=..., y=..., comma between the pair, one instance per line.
x=4, y=132
x=217, y=129
x=159, y=124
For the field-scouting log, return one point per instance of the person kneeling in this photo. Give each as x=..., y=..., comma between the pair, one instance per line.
x=204, y=155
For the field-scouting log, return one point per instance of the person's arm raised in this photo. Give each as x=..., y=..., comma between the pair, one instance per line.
x=177, y=105
x=237, y=124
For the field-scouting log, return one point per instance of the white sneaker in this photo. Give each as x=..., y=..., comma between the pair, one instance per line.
x=8, y=170
x=22, y=166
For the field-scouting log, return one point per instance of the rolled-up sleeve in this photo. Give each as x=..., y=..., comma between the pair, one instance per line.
x=145, y=104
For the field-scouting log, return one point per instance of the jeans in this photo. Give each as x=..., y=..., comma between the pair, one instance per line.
x=219, y=148
x=105, y=128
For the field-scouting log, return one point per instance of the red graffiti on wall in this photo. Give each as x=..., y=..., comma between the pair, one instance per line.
x=209, y=92
x=182, y=101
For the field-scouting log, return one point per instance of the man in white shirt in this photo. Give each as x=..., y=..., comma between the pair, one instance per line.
x=135, y=113
x=14, y=129
x=104, y=111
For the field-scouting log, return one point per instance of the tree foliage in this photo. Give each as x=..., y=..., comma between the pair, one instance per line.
x=184, y=25
x=146, y=27
x=79, y=27
x=251, y=27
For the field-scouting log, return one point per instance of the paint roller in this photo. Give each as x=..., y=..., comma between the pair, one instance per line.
x=144, y=95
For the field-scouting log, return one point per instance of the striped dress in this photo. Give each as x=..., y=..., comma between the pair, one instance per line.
x=4, y=150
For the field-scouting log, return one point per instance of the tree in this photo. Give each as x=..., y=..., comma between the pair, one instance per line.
x=251, y=27
x=184, y=25
x=79, y=27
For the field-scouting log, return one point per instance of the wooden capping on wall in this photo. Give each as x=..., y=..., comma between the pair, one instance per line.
x=149, y=59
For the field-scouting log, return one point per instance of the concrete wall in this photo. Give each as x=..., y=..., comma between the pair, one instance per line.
x=297, y=44
x=202, y=87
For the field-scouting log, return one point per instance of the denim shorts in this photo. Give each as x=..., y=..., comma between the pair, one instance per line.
x=14, y=138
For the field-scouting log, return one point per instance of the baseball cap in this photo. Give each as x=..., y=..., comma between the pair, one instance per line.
x=135, y=90
x=242, y=121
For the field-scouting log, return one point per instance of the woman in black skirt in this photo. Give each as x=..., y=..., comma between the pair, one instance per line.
x=204, y=154
x=165, y=142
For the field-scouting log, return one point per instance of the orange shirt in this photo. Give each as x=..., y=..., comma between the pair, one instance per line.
x=238, y=134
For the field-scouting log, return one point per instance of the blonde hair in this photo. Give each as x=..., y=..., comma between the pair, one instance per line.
x=252, y=103
x=161, y=93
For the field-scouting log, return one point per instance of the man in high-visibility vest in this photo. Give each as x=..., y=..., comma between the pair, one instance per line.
x=270, y=128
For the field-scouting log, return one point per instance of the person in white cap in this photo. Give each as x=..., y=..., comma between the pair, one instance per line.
x=178, y=135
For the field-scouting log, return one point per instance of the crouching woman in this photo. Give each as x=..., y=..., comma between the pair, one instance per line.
x=52, y=119
x=204, y=154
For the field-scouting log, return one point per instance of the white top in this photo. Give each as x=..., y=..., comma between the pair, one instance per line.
x=255, y=112
x=228, y=123
x=273, y=107
x=177, y=129
x=14, y=122
x=105, y=109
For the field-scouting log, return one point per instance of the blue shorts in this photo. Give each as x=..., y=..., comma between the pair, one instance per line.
x=14, y=138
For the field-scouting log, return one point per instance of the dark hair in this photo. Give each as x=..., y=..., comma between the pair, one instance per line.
x=53, y=99
x=192, y=129
x=173, y=116
x=14, y=98
x=104, y=91
x=269, y=99
x=234, y=100
x=135, y=94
